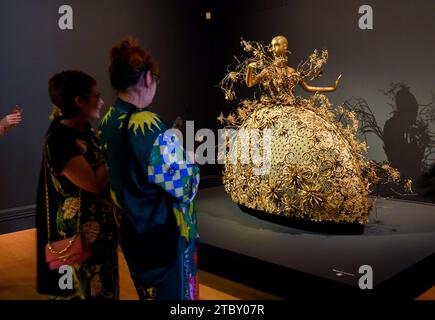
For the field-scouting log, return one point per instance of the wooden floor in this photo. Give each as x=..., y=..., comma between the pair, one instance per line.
x=18, y=275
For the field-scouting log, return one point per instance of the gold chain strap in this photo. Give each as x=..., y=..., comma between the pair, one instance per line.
x=47, y=205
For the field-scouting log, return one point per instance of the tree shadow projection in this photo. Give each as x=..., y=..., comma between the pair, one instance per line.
x=407, y=139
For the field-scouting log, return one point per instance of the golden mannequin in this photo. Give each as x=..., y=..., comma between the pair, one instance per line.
x=312, y=164
x=279, y=47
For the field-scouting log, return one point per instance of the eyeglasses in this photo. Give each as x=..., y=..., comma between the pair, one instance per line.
x=156, y=77
x=95, y=95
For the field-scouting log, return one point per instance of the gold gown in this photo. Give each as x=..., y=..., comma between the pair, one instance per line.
x=316, y=168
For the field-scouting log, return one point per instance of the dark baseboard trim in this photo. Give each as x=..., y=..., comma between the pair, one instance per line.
x=17, y=219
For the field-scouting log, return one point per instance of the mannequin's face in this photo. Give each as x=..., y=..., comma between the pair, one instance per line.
x=279, y=46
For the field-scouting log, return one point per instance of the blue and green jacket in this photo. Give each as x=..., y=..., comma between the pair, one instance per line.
x=147, y=172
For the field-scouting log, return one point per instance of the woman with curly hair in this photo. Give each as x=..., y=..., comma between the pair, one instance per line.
x=152, y=183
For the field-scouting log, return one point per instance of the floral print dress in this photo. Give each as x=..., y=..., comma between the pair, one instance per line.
x=97, y=277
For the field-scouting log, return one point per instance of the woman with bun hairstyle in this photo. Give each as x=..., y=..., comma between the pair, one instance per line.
x=73, y=184
x=152, y=183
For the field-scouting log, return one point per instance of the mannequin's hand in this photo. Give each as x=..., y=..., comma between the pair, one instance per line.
x=254, y=65
x=337, y=81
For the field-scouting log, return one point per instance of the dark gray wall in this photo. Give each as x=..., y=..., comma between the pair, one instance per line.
x=400, y=48
x=193, y=55
x=33, y=48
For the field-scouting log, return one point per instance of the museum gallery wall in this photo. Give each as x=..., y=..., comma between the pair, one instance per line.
x=387, y=71
x=385, y=63
x=34, y=48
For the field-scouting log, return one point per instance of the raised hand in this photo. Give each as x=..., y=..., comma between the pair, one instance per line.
x=11, y=120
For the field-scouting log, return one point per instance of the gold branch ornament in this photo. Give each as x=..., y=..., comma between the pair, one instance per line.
x=316, y=168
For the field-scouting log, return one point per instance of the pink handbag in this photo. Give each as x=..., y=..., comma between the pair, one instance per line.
x=67, y=252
